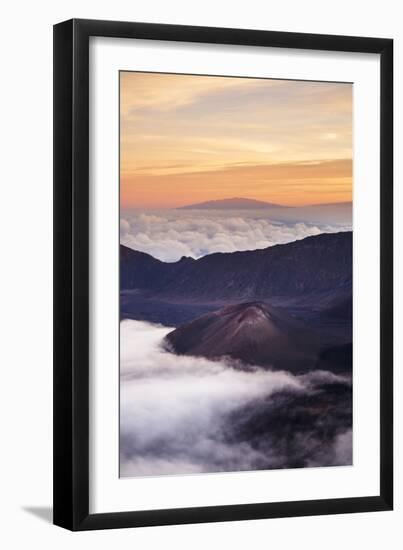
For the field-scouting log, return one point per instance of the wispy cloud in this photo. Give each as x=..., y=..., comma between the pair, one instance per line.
x=179, y=124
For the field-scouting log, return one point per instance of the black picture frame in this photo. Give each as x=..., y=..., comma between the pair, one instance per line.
x=71, y=274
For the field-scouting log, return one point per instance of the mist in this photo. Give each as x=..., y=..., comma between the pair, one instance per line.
x=181, y=415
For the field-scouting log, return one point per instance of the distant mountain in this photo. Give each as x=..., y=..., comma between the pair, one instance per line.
x=232, y=204
x=316, y=269
x=254, y=333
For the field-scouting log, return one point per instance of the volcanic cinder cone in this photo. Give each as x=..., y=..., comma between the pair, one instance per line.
x=253, y=333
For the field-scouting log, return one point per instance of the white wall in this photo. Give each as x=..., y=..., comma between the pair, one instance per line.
x=25, y=299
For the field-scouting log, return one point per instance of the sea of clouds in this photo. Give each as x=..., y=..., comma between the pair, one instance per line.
x=170, y=234
x=187, y=415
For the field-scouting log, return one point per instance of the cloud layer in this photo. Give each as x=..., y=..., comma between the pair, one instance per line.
x=189, y=415
x=170, y=234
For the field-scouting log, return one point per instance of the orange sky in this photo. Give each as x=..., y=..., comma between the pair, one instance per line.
x=187, y=139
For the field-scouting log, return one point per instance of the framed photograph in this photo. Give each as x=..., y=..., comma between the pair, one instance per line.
x=222, y=274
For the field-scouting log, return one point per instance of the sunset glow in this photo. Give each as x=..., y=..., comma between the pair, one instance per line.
x=187, y=139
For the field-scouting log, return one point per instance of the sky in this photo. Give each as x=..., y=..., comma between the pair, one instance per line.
x=186, y=139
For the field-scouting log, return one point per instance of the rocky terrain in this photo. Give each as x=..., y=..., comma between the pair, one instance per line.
x=312, y=266
x=258, y=334
x=311, y=278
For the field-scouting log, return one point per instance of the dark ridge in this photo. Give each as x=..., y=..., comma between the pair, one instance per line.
x=317, y=268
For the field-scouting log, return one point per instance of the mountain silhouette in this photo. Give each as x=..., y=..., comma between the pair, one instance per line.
x=316, y=270
x=254, y=333
x=233, y=203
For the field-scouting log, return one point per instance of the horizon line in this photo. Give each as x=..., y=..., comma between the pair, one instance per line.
x=269, y=204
